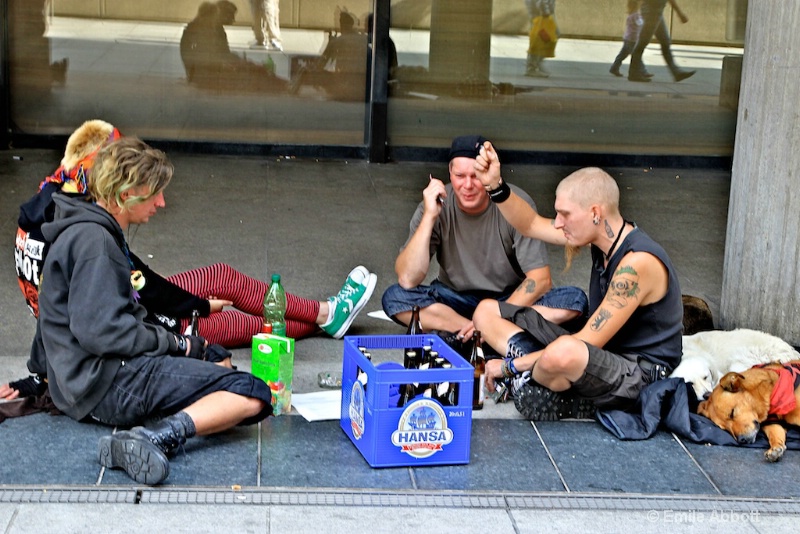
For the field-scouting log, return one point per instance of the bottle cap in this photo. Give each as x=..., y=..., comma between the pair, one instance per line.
x=276, y=277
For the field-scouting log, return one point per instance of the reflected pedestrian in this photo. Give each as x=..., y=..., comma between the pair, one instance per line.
x=266, y=24
x=633, y=27
x=654, y=25
x=544, y=9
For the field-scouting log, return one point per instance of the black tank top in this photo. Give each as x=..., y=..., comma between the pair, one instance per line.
x=653, y=331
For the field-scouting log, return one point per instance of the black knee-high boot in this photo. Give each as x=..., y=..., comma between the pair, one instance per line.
x=142, y=452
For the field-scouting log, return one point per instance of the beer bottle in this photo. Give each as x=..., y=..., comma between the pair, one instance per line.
x=429, y=390
x=407, y=394
x=478, y=362
x=414, y=325
x=361, y=375
x=426, y=361
x=448, y=391
x=411, y=359
x=193, y=328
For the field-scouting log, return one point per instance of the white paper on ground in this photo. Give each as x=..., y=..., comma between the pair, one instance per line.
x=318, y=406
x=379, y=314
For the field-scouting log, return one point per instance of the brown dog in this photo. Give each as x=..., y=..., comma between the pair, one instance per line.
x=759, y=398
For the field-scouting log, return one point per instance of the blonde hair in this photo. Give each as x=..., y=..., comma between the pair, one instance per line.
x=126, y=164
x=89, y=136
x=589, y=186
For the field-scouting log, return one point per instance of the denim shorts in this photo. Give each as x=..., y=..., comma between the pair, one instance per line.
x=145, y=389
x=397, y=300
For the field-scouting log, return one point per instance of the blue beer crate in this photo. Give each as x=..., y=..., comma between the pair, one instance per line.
x=424, y=432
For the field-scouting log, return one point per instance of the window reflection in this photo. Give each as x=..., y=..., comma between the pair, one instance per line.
x=564, y=98
x=190, y=70
x=184, y=71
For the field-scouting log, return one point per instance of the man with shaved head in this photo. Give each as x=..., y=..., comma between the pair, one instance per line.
x=633, y=335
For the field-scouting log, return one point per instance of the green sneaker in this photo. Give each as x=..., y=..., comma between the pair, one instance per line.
x=353, y=296
x=356, y=278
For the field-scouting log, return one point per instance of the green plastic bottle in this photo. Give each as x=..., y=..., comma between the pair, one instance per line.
x=275, y=306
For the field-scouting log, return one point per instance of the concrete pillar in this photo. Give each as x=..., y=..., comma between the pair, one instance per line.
x=761, y=276
x=460, y=39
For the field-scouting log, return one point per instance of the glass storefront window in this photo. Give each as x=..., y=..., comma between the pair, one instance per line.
x=192, y=71
x=564, y=98
x=187, y=71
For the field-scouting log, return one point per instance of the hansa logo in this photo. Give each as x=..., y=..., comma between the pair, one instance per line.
x=422, y=429
x=356, y=410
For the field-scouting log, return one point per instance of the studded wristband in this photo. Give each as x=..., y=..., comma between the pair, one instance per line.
x=500, y=194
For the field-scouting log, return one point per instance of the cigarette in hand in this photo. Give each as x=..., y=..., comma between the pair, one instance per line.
x=439, y=198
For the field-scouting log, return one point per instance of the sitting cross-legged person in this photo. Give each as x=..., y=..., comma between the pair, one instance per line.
x=480, y=255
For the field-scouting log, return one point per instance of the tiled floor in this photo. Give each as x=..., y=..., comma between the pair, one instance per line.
x=303, y=218
x=507, y=456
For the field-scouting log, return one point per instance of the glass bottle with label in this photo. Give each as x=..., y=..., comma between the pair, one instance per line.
x=448, y=391
x=478, y=362
x=361, y=375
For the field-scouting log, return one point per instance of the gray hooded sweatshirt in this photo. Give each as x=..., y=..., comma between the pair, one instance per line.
x=89, y=319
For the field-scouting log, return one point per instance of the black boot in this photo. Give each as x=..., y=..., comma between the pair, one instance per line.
x=537, y=403
x=169, y=433
x=143, y=452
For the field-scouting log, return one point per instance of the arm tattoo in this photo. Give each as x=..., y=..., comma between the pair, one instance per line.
x=609, y=231
x=624, y=287
x=603, y=315
x=527, y=286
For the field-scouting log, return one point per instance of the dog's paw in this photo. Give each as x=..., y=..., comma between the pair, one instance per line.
x=774, y=454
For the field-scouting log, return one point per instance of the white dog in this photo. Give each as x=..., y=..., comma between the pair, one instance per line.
x=707, y=356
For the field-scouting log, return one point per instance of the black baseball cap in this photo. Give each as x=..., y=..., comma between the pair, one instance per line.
x=466, y=146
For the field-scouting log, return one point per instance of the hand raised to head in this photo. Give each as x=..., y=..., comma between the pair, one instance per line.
x=487, y=167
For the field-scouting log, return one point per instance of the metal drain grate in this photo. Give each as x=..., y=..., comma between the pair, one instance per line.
x=67, y=495
x=369, y=498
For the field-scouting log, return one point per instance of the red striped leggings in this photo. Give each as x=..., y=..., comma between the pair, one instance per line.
x=235, y=327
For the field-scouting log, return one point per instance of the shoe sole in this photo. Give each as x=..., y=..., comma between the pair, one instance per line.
x=140, y=459
x=537, y=403
x=372, y=281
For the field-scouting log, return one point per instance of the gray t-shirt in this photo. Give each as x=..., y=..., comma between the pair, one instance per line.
x=481, y=252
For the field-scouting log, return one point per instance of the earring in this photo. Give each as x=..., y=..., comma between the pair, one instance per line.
x=596, y=221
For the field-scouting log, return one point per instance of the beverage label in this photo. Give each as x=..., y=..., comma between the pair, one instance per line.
x=356, y=410
x=422, y=430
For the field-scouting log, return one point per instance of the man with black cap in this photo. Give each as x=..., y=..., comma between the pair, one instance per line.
x=480, y=256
